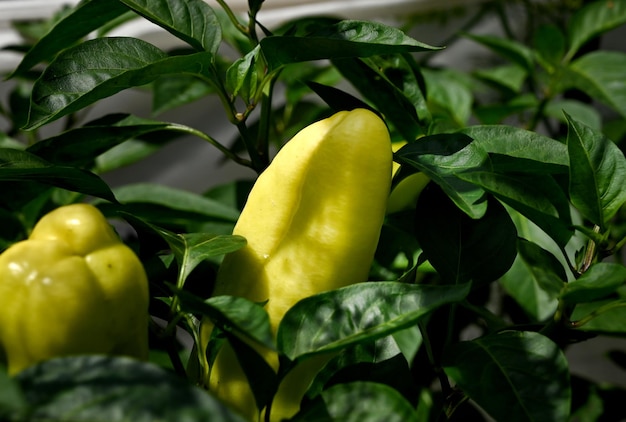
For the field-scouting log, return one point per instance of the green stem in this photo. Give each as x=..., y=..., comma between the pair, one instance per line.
x=233, y=17
x=443, y=379
x=598, y=312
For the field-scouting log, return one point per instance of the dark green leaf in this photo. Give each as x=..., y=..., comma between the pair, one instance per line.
x=538, y=197
x=99, y=68
x=12, y=400
x=549, y=42
x=84, y=18
x=107, y=389
x=443, y=156
x=600, y=75
x=597, y=173
x=547, y=271
x=348, y=38
x=175, y=199
x=18, y=166
x=460, y=248
x=532, y=152
x=193, y=21
x=337, y=99
x=592, y=20
x=358, y=313
x=388, y=98
x=527, y=373
x=359, y=402
x=602, y=279
x=510, y=77
x=234, y=314
x=80, y=147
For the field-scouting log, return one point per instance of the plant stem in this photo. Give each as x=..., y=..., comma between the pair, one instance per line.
x=233, y=17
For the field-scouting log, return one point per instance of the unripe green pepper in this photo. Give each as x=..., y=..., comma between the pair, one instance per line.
x=312, y=223
x=71, y=288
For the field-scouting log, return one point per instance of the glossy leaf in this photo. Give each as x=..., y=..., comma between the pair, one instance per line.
x=190, y=249
x=388, y=98
x=175, y=91
x=359, y=402
x=349, y=38
x=242, y=76
x=358, y=313
x=448, y=91
x=175, y=199
x=443, y=156
x=460, y=248
x=592, y=20
x=19, y=166
x=81, y=146
x=238, y=314
x=527, y=373
x=193, y=21
x=600, y=75
x=545, y=268
x=98, y=388
x=86, y=17
x=99, y=68
x=532, y=152
x=605, y=316
x=538, y=197
x=600, y=280
x=597, y=173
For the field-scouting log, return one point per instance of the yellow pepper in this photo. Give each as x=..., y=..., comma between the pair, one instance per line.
x=312, y=222
x=71, y=288
x=405, y=194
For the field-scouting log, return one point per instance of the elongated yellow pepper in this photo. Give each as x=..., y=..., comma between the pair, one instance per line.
x=72, y=288
x=312, y=222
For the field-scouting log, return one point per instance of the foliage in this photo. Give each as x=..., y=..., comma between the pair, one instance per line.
x=511, y=256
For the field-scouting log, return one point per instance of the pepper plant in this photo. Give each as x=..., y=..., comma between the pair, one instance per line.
x=506, y=255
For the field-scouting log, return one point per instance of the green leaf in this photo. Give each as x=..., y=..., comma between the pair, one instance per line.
x=192, y=21
x=172, y=91
x=98, y=388
x=549, y=42
x=99, y=68
x=605, y=316
x=242, y=76
x=448, y=91
x=359, y=402
x=388, y=98
x=358, y=313
x=527, y=373
x=600, y=75
x=443, y=156
x=12, y=400
x=460, y=248
x=531, y=151
x=510, y=77
x=600, y=280
x=544, y=267
x=538, y=197
x=349, y=38
x=235, y=314
x=19, y=166
x=175, y=199
x=511, y=50
x=81, y=146
x=190, y=249
x=585, y=113
x=597, y=173
x=84, y=18
x=592, y=20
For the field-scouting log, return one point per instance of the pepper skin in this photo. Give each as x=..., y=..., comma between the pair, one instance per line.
x=405, y=194
x=312, y=223
x=72, y=288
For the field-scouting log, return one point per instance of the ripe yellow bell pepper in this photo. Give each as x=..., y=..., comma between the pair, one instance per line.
x=312, y=223
x=72, y=288
x=405, y=194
